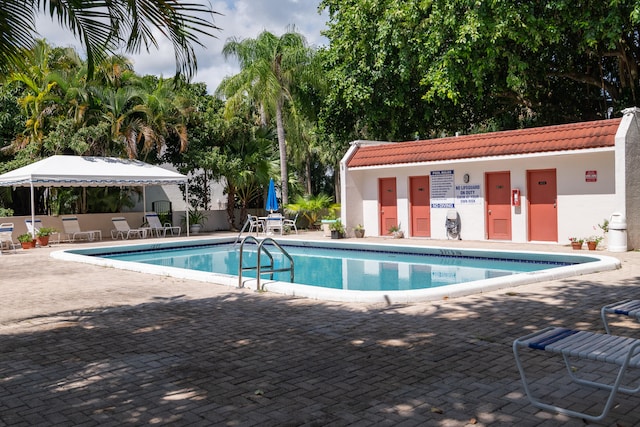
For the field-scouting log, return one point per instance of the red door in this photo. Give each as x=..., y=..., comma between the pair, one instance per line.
x=542, y=201
x=498, y=185
x=420, y=209
x=388, y=204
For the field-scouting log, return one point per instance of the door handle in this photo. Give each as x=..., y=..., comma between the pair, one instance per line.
x=489, y=212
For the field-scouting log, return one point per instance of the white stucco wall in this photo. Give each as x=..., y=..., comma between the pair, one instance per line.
x=581, y=205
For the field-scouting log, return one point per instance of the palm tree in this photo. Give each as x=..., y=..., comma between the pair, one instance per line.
x=103, y=27
x=269, y=67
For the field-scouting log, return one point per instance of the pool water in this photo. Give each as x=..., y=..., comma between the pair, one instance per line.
x=347, y=271
x=362, y=270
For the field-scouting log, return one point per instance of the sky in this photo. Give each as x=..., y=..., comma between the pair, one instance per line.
x=239, y=18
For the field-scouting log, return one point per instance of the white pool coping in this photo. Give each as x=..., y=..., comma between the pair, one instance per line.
x=597, y=263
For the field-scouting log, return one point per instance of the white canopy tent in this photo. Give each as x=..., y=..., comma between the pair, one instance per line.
x=79, y=171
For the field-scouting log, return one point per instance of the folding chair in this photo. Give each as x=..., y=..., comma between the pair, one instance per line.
x=627, y=307
x=598, y=348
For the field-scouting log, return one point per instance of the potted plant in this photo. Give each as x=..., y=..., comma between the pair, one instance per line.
x=576, y=242
x=396, y=231
x=196, y=220
x=42, y=235
x=337, y=230
x=358, y=231
x=593, y=241
x=27, y=241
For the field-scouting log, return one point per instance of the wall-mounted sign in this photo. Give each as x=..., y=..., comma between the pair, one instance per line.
x=442, y=189
x=468, y=194
x=591, y=176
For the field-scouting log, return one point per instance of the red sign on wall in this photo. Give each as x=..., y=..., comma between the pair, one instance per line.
x=591, y=176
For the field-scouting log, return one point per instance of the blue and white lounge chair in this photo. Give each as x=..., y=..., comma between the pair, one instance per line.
x=6, y=237
x=36, y=226
x=122, y=229
x=72, y=230
x=627, y=307
x=598, y=348
x=155, y=225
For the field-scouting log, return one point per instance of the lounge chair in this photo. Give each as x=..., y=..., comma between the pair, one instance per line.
x=155, y=225
x=122, y=229
x=255, y=224
x=597, y=348
x=291, y=222
x=274, y=222
x=36, y=226
x=627, y=307
x=72, y=230
x=6, y=237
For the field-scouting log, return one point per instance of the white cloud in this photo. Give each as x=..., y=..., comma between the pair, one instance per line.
x=239, y=18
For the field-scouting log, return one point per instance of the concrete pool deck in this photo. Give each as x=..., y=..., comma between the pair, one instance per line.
x=88, y=345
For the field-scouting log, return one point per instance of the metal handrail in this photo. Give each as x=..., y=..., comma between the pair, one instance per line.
x=272, y=270
x=260, y=269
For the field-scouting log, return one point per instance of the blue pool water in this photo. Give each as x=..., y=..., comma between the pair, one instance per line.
x=362, y=269
x=348, y=271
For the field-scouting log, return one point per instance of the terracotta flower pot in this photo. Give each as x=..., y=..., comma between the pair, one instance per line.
x=43, y=240
x=28, y=245
x=592, y=245
x=576, y=245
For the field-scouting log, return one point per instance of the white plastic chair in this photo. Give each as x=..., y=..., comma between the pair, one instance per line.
x=155, y=225
x=255, y=224
x=36, y=226
x=291, y=222
x=274, y=222
x=72, y=230
x=123, y=230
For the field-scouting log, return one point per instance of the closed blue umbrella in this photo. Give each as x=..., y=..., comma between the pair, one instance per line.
x=272, y=201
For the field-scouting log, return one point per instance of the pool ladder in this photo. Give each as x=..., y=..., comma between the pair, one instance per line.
x=263, y=269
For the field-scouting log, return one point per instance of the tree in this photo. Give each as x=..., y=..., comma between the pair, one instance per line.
x=103, y=27
x=400, y=70
x=270, y=66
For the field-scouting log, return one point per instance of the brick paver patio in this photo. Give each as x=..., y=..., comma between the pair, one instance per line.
x=83, y=345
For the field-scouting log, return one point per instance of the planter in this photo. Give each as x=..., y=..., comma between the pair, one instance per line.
x=335, y=234
x=326, y=224
x=592, y=245
x=28, y=245
x=195, y=228
x=576, y=245
x=358, y=232
x=398, y=234
x=43, y=240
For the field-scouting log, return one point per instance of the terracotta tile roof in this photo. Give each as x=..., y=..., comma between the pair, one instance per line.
x=575, y=136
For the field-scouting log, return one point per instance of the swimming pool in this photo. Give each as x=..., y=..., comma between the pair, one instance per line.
x=388, y=265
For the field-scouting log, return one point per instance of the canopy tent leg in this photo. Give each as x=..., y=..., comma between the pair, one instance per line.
x=33, y=211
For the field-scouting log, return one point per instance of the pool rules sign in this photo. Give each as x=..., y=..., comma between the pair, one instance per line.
x=591, y=176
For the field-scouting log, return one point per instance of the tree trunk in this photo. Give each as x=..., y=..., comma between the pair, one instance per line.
x=282, y=147
x=231, y=202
